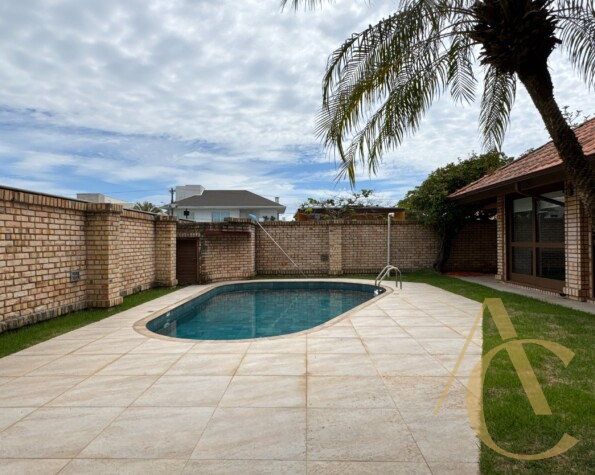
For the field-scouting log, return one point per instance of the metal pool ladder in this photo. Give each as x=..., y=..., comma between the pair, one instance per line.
x=386, y=273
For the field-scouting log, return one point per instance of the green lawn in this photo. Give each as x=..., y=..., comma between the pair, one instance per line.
x=570, y=391
x=17, y=340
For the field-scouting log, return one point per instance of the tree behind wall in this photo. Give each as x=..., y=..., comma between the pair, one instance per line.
x=340, y=206
x=147, y=206
x=428, y=205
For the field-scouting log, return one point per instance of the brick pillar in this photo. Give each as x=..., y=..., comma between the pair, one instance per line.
x=576, y=235
x=335, y=249
x=501, y=240
x=165, y=251
x=103, y=263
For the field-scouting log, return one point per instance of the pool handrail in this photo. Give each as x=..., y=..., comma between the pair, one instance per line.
x=386, y=273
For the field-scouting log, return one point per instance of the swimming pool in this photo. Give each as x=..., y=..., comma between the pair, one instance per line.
x=260, y=309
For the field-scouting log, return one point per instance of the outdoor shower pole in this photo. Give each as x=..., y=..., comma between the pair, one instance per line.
x=390, y=215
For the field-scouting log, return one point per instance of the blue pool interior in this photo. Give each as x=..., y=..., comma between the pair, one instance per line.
x=260, y=309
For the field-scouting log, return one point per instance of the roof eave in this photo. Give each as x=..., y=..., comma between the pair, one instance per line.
x=493, y=189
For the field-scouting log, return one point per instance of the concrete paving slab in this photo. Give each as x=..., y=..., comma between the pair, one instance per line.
x=355, y=396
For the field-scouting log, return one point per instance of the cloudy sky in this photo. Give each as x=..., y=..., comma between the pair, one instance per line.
x=129, y=98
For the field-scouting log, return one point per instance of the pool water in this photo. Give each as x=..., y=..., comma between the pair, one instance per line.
x=260, y=309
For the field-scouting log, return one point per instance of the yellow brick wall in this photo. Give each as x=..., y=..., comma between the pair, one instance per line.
x=39, y=246
x=45, y=238
x=307, y=243
x=137, y=252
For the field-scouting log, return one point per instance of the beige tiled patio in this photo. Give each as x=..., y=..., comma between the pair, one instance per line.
x=354, y=397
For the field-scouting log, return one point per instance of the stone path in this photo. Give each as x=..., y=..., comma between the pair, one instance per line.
x=356, y=397
x=549, y=297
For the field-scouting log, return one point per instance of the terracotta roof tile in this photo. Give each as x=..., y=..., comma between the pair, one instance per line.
x=538, y=160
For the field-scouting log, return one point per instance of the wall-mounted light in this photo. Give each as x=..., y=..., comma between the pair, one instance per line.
x=186, y=213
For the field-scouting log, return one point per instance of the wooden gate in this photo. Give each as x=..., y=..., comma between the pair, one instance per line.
x=187, y=261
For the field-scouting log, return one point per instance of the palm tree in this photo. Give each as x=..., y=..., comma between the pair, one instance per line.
x=380, y=82
x=147, y=206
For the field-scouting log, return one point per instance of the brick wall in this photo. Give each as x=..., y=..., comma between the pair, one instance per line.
x=165, y=251
x=414, y=247
x=364, y=247
x=59, y=255
x=307, y=243
x=228, y=256
x=336, y=247
x=103, y=262
x=474, y=249
x=319, y=248
x=501, y=239
x=226, y=250
x=42, y=239
x=137, y=248
x=578, y=249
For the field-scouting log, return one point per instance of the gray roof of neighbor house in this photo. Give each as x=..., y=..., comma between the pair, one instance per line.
x=229, y=198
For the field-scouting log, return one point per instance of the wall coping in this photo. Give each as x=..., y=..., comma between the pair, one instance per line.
x=16, y=195
x=339, y=222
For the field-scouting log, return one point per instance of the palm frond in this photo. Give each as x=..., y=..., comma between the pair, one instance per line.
x=497, y=100
x=397, y=59
x=380, y=82
x=461, y=79
x=576, y=25
x=308, y=4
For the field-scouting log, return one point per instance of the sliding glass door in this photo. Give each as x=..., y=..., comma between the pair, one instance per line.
x=536, y=237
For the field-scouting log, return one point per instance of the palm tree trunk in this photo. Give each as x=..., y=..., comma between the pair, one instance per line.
x=579, y=170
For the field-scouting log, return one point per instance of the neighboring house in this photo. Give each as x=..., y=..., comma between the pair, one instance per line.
x=99, y=198
x=196, y=203
x=356, y=213
x=545, y=236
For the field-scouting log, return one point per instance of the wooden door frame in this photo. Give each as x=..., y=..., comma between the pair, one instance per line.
x=534, y=245
x=195, y=241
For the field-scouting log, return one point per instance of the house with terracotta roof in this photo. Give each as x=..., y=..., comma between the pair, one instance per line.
x=545, y=235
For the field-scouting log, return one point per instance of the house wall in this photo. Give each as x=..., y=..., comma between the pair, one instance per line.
x=43, y=239
x=578, y=258
x=501, y=238
x=205, y=215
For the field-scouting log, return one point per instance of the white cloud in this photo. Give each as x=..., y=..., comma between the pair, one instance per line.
x=220, y=93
